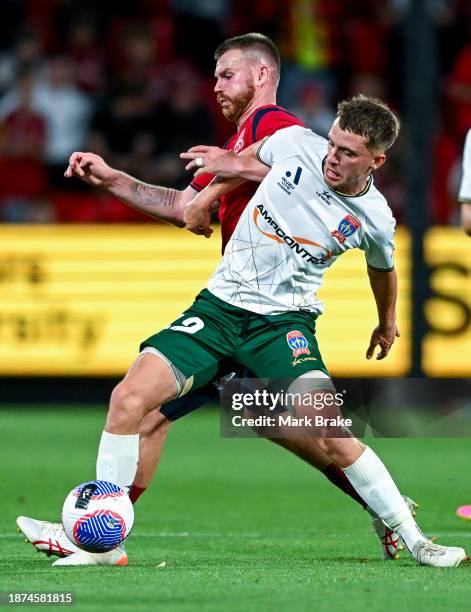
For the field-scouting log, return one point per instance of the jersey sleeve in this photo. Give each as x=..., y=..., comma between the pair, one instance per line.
x=202, y=181
x=282, y=144
x=378, y=242
x=465, y=186
x=269, y=121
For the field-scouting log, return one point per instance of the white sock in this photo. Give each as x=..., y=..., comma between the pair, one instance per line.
x=374, y=484
x=117, y=460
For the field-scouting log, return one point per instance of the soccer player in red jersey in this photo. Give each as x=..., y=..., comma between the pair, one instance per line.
x=260, y=123
x=247, y=75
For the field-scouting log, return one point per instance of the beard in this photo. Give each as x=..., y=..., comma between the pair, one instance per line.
x=236, y=107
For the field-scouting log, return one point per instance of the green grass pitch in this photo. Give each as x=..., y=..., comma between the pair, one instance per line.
x=239, y=523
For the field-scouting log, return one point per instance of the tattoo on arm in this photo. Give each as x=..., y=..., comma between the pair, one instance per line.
x=169, y=198
x=154, y=197
x=154, y=200
x=143, y=191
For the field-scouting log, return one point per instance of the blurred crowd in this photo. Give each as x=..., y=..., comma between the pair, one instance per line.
x=133, y=82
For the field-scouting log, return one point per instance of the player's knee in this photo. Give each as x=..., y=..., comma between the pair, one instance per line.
x=126, y=406
x=341, y=451
x=333, y=450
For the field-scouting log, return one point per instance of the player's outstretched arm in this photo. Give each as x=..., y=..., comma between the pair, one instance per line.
x=384, y=287
x=226, y=164
x=162, y=203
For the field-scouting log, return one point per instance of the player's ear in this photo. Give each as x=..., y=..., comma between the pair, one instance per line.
x=378, y=161
x=263, y=74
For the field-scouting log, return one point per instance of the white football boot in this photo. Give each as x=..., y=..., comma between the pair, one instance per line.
x=51, y=539
x=428, y=553
x=46, y=537
x=117, y=556
x=391, y=543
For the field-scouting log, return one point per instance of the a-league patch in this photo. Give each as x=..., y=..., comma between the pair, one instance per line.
x=297, y=343
x=346, y=228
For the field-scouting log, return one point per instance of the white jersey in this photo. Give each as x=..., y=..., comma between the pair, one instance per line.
x=465, y=187
x=295, y=227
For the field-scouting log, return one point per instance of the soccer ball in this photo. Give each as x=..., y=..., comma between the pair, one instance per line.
x=97, y=516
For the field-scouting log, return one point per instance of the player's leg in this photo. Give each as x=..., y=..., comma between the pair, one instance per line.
x=369, y=476
x=283, y=347
x=155, y=378
x=305, y=449
x=50, y=538
x=152, y=380
x=154, y=429
x=263, y=354
x=372, y=481
x=286, y=347
x=152, y=435
x=149, y=383
x=169, y=365
x=185, y=355
x=374, y=484
x=156, y=424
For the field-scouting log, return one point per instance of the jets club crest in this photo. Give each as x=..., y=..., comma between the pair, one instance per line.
x=297, y=343
x=346, y=228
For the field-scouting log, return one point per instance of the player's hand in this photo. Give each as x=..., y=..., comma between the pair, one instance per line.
x=197, y=218
x=90, y=168
x=382, y=336
x=210, y=160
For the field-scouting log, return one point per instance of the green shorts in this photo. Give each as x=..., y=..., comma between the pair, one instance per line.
x=211, y=330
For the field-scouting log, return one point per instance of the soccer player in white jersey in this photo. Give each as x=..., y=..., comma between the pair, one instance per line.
x=283, y=237
x=464, y=195
x=247, y=73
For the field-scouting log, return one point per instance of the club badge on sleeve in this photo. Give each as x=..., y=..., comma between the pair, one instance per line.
x=346, y=228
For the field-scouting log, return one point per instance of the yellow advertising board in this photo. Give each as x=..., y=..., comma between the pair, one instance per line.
x=447, y=346
x=77, y=300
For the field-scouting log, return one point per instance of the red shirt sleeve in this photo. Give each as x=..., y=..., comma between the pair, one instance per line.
x=202, y=181
x=273, y=121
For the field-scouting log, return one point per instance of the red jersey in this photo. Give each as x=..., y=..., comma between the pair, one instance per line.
x=263, y=122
